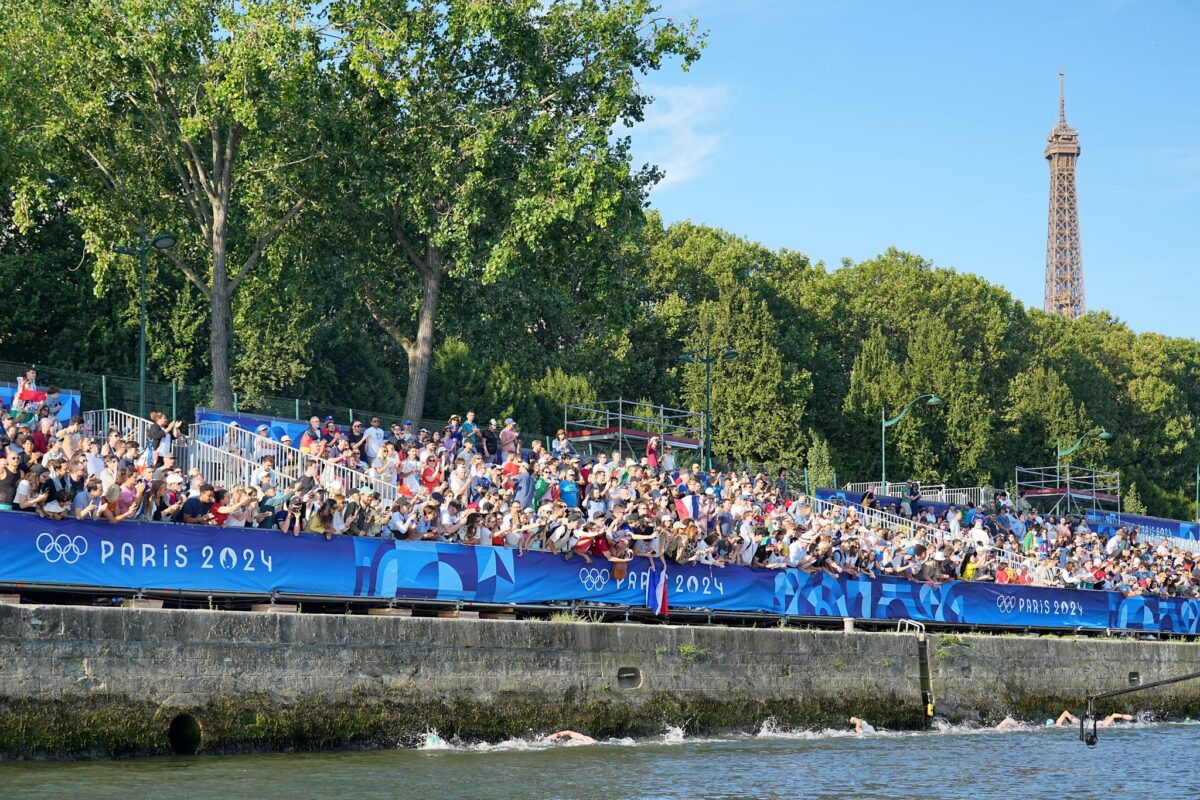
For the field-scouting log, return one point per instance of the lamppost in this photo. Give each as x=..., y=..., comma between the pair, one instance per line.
x=141, y=247
x=885, y=423
x=1099, y=433
x=708, y=359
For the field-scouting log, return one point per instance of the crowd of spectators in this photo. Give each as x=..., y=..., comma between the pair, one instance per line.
x=1009, y=541
x=480, y=484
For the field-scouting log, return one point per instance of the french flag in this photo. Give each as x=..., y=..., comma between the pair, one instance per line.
x=688, y=507
x=656, y=592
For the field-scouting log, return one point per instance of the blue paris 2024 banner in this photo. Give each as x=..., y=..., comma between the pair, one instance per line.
x=135, y=556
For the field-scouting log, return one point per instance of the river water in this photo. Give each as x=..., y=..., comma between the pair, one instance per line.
x=1138, y=760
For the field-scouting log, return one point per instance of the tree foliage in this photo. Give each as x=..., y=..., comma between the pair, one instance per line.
x=429, y=207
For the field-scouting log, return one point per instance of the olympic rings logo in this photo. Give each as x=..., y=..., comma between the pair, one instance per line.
x=1006, y=603
x=64, y=548
x=593, y=579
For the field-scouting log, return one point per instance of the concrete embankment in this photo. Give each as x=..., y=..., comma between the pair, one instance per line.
x=108, y=682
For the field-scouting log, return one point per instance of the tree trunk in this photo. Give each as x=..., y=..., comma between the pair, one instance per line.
x=220, y=300
x=420, y=355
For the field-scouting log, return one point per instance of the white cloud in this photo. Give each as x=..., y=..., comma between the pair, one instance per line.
x=677, y=134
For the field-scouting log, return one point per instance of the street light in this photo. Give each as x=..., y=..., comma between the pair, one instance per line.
x=885, y=423
x=1099, y=433
x=708, y=359
x=141, y=248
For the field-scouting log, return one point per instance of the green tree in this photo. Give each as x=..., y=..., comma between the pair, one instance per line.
x=1132, y=503
x=202, y=117
x=821, y=472
x=489, y=129
x=758, y=400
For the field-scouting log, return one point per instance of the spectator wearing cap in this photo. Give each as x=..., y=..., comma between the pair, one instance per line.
x=509, y=438
x=407, y=437
x=264, y=445
x=490, y=444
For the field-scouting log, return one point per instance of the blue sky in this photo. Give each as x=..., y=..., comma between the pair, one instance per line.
x=842, y=128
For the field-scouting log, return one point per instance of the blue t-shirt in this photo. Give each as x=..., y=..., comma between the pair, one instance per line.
x=568, y=492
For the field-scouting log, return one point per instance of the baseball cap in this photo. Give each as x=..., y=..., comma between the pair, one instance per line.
x=408, y=422
x=509, y=421
x=263, y=428
x=329, y=419
x=175, y=478
x=365, y=490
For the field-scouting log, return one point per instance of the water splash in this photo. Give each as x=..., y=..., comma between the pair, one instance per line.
x=432, y=740
x=674, y=734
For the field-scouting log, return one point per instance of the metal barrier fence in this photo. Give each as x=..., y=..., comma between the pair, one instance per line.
x=219, y=467
x=938, y=493
x=99, y=423
x=290, y=463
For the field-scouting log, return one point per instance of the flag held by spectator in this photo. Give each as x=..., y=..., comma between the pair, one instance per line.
x=656, y=593
x=688, y=507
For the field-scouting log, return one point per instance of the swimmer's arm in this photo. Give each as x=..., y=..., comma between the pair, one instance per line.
x=1066, y=716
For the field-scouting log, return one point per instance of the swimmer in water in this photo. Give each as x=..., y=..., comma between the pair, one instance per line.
x=1007, y=724
x=564, y=736
x=1063, y=718
x=1108, y=721
x=861, y=725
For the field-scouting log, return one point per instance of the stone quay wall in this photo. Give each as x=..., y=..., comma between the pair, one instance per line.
x=107, y=682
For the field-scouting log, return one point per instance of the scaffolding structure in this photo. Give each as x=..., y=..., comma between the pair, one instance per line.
x=1067, y=489
x=627, y=426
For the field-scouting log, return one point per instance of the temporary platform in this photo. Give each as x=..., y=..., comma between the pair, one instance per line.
x=627, y=426
x=1067, y=489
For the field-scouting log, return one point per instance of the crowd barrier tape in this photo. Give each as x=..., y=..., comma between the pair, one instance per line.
x=158, y=556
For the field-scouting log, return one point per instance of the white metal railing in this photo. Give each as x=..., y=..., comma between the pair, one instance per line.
x=290, y=463
x=98, y=423
x=937, y=493
x=219, y=467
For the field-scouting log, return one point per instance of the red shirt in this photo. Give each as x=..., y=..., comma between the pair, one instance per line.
x=431, y=477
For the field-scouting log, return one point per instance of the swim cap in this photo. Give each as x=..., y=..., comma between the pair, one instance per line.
x=1050, y=723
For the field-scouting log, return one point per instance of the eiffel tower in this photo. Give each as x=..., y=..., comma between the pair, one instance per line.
x=1064, y=257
